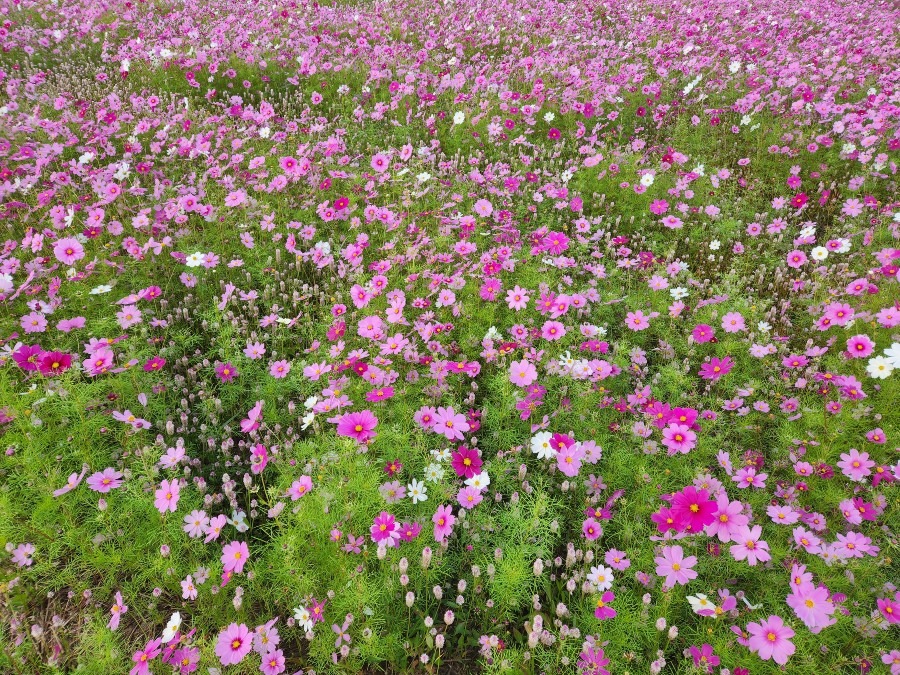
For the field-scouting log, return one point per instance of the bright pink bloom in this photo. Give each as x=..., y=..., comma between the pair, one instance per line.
x=466, y=462
x=771, y=639
x=233, y=644
x=443, y=520
x=358, y=425
x=104, y=481
x=692, y=509
x=234, y=556
x=450, y=423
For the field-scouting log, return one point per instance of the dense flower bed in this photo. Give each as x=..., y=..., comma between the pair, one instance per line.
x=456, y=337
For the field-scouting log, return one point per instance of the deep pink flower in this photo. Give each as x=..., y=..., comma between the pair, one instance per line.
x=466, y=462
x=771, y=639
x=443, y=520
x=692, y=509
x=358, y=425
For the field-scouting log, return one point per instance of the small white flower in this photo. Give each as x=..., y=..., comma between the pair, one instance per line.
x=819, y=253
x=479, y=481
x=764, y=326
x=423, y=177
x=171, y=628
x=734, y=66
x=566, y=360
x=549, y=117
x=434, y=473
x=310, y=402
x=678, y=292
x=892, y=354
x=879, y=368
x=808, y=231
x=540, y=445
x=442, y=455
x=459, y=117
x=715, y=245
x=304, y=618
x=102, y=288
x=647, y=179
x=602, y=577
x=264, y=132
x=417, y=491
x=307, y=420
x=195, y=259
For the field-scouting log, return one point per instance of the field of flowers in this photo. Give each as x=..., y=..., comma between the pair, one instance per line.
x=474, y=336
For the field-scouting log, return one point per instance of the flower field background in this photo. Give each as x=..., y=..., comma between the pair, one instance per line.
x=457, y=337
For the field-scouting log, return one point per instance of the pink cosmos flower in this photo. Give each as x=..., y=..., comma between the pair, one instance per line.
x=771, y=639
x=21, y=555
x=73, y=482
x=300, y=487
x=167, y=496
x=384, y=528
x=104, y=481
x=733, y=322
x=568, y=459
x=637, y=321
x=443, y=520
x=143, y=657
x=890, y=609
x=233, y=644
x=117, y=610
x=591, y=529
x=749, y=547
x=68, y=250
x=272, y=662
x=381, y=163
x=522, y=373
x=727, y=519
x=704, y=658
x=856, y=465
x=469, y=497
x=747, y=476
x=226, y=372
x=517, y=298
x=716, y=368
x=216, y=525
x=679, y=438
x=602, y=610
x=796, y=259
x=692, y=509
x=812, y=605
x=280, y=369
x=358, y=425
x=860, y=346
x=552, y=331
x=252, y=422
x=234, y=556
x=483, y=208
x=450, y=423
x=259, y=457
x=195, y=523
x=674, y=566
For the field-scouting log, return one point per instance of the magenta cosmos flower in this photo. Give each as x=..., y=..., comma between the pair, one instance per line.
x=466, y=462
x=233, y=644
x=674, y=566
x=358, y=425
x=771, y=639
x=692, y=509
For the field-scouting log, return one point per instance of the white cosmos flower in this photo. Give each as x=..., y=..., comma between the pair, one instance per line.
x=417, y=491
x=434, y=473
x=892, y=354
x=171, y=628
x=764, y=326
x=194, y=259
x=479, y=481
x=102, y=288
x=602, y=577
x=304, y=618
x=540, y=445
x=307, y=420
x=459, y=117
x=647, y=179
x=549, y=117
x=715, y=245
x=879, y=368
x=819, y=253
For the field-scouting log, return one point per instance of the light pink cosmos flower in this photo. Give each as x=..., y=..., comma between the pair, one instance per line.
x=215, y=527
x=104, y=481
x=568, y=459
x=196, y=523
x=856, y=465
x=73, y=482
x=749, y=547
x=280, y=369
x=733, y=322
x=553, y=330
x=68, y=250
x=450, y=423
x=21, y=555
x=637, y=321
x=234, y=556
x=484, y=208
x=771, y=639
x=300, y=487
x=380, y=163
x=674, y=566
x=233, y=644
x=812, y=605
x=167, y=496
x=117, y=610
x=517, y=298
x=522, y=373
